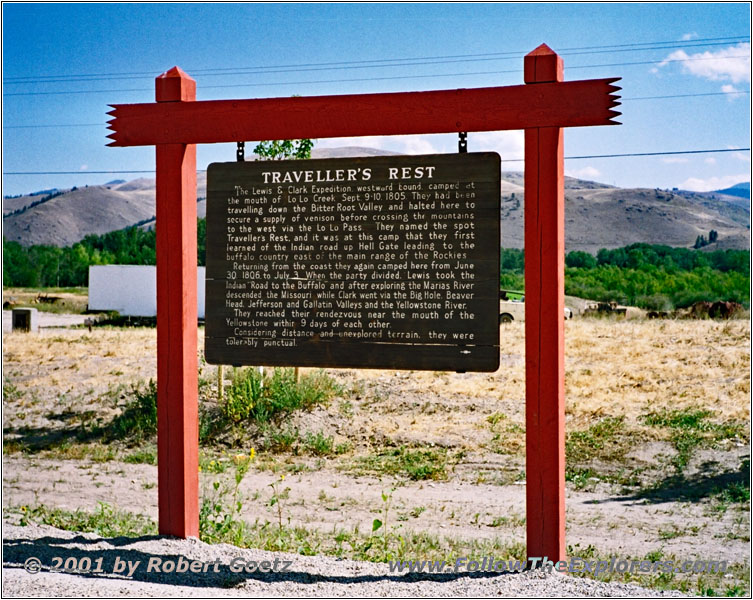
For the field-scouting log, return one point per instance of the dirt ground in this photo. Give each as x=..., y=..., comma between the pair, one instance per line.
x=627, y=498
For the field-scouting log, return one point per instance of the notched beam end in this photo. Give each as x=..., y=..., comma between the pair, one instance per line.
x=611, y=115
x=116, y=139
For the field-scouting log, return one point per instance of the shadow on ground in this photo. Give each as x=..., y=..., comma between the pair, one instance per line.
x=733, y=486
x=17, y=551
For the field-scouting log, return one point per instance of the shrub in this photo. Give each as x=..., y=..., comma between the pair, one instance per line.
x=268, y=398
x=138, y=420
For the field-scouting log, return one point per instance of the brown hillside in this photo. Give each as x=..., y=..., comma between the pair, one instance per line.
x=597, y=215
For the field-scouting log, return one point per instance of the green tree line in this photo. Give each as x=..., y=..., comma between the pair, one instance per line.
x=650, y=276
x=48, y=266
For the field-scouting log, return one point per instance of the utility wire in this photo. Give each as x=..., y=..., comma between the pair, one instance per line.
x=266, y=71
x=503, y=160
x=641, y=154
x=362, y=79
x=384, y=78
x=408, y=61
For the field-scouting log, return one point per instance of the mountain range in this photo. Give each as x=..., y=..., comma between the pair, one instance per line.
x=596, y=215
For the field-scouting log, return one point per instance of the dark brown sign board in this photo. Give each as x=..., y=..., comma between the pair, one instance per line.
x=379, y=262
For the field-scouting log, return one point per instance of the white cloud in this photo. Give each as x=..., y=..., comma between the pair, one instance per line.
x=83, y=167
x=509, y=144
x=584, y=173
x=732, y=92
x=728, y=64
x=674, y=160
x=688, y=36
x=741, y=156
x=710, y=160
x=695, y=184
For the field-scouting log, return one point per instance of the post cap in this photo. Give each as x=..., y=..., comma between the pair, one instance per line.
x=543, y=65
x=175, y=85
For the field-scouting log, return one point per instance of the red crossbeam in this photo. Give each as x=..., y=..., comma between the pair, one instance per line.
x=557, y=104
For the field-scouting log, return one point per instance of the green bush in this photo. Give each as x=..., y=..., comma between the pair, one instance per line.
x=268, y=398
x=243, y=395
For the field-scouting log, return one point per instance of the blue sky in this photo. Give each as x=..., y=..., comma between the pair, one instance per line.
x=64, y=63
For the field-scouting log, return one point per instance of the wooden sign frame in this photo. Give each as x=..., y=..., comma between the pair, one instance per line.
x=542, y=107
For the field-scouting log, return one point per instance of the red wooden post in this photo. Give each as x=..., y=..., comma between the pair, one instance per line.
x=177, y=365
x=545, y=330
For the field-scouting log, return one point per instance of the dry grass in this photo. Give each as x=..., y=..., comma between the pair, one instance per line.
x=630, y=368
x=613, y=369
x=68, y=300
x=466, y=427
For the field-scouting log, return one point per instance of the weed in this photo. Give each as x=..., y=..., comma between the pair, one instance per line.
x=280, y=439
x=278, y=497
x=690, y=429
x=138, y=421
x=346, y=408
x=668, y=534
x=146, y=455
x=207, y=464
x=105, y=521
x=417, y=464
x=217, y=521
x=736, y=492
x=13, y=447
x=10, y=391
x=343, y=448
x=605, y=440
x=514, y=521
x=495, y=418
x=264, y=398
x=243, y=395
x=598, y=439
x=318, y=444
x=580, y=477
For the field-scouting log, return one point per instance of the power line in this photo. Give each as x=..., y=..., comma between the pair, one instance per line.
x=735, y=93
x=641, y=154
x=266, y=70
x=356, y=79
x=384, y=78
x=79, y=172
x=668, y=153
x=376, y=63
x=54, y=126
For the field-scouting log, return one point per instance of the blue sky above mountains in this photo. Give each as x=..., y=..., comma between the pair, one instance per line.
x=64, y=63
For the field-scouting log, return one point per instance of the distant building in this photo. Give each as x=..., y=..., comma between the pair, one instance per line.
x=131, y=289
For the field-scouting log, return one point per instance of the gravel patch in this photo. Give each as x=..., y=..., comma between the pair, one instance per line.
x=310, y=576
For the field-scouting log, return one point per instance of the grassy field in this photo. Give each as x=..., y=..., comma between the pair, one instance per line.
x=68, y=300
x=373, y=464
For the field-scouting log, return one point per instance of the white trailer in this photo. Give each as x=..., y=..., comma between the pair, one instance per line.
x=131, y=289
